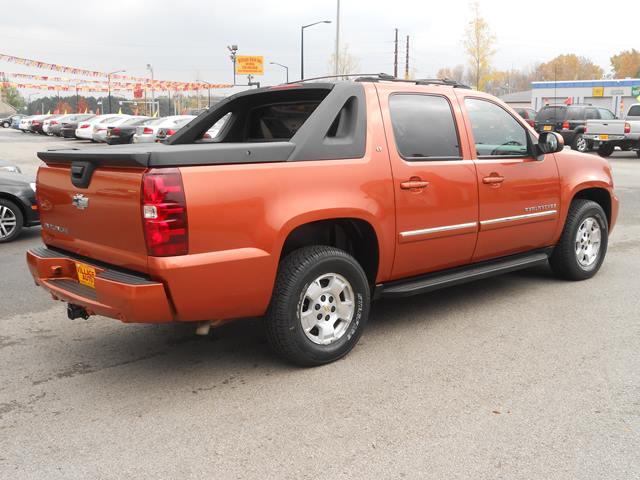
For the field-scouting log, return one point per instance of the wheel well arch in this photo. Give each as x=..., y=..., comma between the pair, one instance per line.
x=599, y=195
x=16, y=201
x=353, y=235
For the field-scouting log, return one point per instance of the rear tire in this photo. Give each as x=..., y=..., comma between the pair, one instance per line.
x=11, y=221
x=605, y=150
x=319, y=307
x=580, y=143
x=583, y=244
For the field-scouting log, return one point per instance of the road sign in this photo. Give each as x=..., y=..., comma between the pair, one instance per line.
x=250, y=65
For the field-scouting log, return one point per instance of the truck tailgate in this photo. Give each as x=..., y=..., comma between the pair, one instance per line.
x=101, y=221
x=605, y=127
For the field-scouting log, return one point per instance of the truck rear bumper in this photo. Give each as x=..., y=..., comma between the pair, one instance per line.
x=123, y=296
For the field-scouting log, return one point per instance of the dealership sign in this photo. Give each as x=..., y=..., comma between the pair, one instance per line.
x=250, y=65
x=635, y=91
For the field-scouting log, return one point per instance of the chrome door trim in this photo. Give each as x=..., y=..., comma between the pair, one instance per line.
x=517, y=217
x=445, y=228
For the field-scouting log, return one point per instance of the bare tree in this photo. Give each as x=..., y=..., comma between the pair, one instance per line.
x=478, y=43
x=456, y=73
x=347, y=63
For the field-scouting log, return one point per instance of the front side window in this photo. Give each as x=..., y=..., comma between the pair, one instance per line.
x=424, y=127
x=495, y=132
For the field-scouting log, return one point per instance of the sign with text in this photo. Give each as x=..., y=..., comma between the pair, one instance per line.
x=635, y=91
x=250, y=65
x=597, y=92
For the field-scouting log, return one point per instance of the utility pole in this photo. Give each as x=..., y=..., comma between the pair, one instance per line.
x=395, y=56
x=337, y=59
x=153, y=97
x=406, y=62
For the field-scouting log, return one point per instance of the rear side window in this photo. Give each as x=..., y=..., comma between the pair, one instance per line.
x=424, y=127
x=278, y=121
x=591, y=114
x=496, y=132
x=576, y=113
x=634, y=111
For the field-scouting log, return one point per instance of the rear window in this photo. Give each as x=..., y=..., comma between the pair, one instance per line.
x=550, y=114
x=634, y=111
x=278, y=121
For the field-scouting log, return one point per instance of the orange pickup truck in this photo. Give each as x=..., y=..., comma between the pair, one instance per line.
x=310, y=201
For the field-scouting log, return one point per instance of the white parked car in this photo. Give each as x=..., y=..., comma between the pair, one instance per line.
x=85, y=129
x=25, y=123
x=148, y=133
x=100, y=129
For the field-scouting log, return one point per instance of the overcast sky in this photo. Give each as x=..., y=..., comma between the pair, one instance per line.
x=187, y=39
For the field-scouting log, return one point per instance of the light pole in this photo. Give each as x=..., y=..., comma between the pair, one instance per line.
x=283, y=66
x=153, y=98
x=234, y=51
x=302, y=44
x=208, y=91
x=109, y=85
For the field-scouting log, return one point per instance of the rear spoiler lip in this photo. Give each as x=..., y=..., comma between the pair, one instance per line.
x=69, y=155
x=163, y=156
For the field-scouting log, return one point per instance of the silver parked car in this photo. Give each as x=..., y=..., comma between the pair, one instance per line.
x=148, y=133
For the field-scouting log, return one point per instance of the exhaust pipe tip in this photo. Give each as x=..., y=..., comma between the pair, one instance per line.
x=76, y=311
x=203, y=328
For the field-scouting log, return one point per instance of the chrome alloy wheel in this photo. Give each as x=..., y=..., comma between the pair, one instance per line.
x=587, y=244
x=8, y=221
x=327, y=308
x=581, y=144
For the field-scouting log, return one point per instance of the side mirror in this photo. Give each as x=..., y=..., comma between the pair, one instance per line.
x=549, y=142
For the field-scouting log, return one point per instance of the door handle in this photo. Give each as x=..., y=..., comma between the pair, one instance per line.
x=414, y=184
x=493, y=179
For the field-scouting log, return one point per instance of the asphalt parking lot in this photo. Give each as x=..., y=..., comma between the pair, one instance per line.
x=517, y=377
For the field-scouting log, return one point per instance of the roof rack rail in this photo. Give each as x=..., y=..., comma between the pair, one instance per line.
x=385, y=77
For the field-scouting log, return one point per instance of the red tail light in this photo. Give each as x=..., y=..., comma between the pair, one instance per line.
x=115, y=131
x=84, y=125
x=147, y=131
x=627, y=127
x=565, y=125
x=164, y=212
x=170, y=132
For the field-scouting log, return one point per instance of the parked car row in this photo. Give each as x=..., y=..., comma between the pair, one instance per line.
x=110, y=128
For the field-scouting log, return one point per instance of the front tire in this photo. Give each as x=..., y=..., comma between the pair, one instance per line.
x=605, y=150
x=6, y=125
x=584, y=241
x=319, y=307
x=11, y=221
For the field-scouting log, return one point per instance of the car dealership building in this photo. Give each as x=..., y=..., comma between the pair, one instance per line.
x=616, y=95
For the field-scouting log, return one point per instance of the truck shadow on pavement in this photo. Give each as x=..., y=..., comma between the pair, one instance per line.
x=168, y=356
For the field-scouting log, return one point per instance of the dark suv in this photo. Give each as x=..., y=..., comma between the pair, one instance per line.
x=570, y=122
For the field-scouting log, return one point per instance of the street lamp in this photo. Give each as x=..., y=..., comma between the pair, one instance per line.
x=302, y=44
x=283, y=66
x=234, y=51
x=209, y=90
x=109, y=84
x=153, y=98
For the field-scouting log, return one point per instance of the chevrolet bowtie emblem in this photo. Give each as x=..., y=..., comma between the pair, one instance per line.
x=80, y=201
